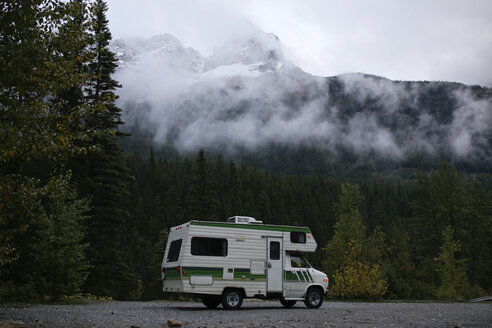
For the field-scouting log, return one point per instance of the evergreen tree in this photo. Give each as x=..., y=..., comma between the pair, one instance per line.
x=233, y=194
x=452, y=270
x=104, y=175
x=401, y=271
x=264, y=207
x=38, y=128
x=157, y=255
x=477, y=245
x=60, y=266
x=444, y=198
x=100, y=87
x=76, y=24
x=203, y=202
x=441, y=200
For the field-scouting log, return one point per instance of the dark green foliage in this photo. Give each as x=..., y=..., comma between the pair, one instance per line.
x=60, y=114
x=103, y=176
x=39, y=129
x=51, y=258
x=162, y=196
x=43, y=51
x=155, y=282
x=59, y=266
x=442, y=199
x=203, y=202
x=388, y=224
x=101, y=87
x=477, y=245
x=400, y=265
x=107, y=184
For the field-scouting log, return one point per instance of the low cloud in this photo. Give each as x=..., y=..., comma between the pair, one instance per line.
x=247, y=103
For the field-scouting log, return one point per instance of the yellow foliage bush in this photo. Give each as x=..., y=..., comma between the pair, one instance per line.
x=357, y=279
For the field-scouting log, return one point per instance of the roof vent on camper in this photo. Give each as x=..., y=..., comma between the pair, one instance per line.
x=243, y=220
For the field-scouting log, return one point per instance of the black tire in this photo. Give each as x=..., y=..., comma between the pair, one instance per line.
x=211, y=302
x=314, y=298
x=287, y=303
x=232, y=299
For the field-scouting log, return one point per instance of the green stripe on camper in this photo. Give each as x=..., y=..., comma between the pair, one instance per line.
x=251, y=226
x=290, y=276
x=298, y=276
x=240, y=273
x=216, y=272
x=202, y=271
x=309, y=274
x=172, y=273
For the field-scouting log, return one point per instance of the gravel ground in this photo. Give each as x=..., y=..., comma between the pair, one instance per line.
x=252, y=314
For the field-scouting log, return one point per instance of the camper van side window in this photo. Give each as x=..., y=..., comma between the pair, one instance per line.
x=174, y=250
x=208, y=246
x=298, y=237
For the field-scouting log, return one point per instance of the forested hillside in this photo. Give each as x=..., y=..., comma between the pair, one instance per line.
x=399, y=223
x=85, y=208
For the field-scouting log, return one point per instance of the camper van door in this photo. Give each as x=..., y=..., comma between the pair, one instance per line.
x=274, y=264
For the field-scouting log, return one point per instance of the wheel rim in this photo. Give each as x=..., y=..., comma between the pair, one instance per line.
x=233, y=299
x=314, y=298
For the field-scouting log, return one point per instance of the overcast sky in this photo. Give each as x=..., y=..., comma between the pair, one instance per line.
x=444, y=40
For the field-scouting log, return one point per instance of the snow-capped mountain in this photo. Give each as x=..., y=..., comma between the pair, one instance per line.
x=132, y=52
x=259, y=53
x=262, y=52
x=247, y=96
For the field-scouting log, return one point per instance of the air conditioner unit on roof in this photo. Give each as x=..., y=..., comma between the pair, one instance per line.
x=243, y=220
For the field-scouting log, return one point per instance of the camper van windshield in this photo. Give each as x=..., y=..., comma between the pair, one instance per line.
x=298, y=261
x=174, y=250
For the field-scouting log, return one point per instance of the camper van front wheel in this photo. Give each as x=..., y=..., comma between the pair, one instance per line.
x=314, y=298
x=232, y=299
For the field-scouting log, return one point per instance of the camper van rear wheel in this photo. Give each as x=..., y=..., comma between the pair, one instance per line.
x=287, y=303
x=314, y=298
x=211, y=302
x=232, y=299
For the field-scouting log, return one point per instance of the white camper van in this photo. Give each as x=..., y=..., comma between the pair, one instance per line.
x=224, y=262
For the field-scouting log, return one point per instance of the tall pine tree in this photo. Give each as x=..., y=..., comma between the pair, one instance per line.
x=60, y=266
x=104, y=175
x=203, y=201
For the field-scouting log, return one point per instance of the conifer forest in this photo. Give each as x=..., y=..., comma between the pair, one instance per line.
x=85, y=207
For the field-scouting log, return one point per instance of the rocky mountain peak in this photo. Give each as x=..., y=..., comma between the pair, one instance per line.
x=254, y=52
x=165, y=40
x=163, y=47
x=260, y=49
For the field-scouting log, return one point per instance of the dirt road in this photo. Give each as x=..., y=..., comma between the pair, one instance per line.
x=253, y=314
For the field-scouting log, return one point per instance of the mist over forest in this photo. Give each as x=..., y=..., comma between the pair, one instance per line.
x=247, y=98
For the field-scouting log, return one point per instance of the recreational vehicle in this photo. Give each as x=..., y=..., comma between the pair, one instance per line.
x=225, y=262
